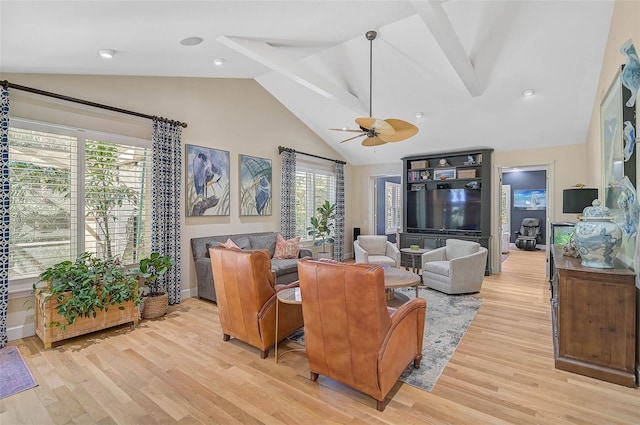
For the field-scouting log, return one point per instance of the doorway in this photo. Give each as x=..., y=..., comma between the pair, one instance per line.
x=387, y=206
x=520, y=191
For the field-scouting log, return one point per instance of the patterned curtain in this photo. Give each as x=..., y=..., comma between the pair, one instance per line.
x=165, y=194
x=288, y=196
x=4, y=244
x=338, y=245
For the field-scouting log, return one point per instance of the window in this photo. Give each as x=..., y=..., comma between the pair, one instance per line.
x=73, y=191
x=315, y=183
x=392, y=207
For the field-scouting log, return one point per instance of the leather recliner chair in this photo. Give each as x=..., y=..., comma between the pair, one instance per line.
x=350, y=334
x=529, y=235
x=246, y=297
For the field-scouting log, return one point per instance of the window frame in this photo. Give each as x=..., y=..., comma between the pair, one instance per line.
x=23, y=284
x=396, y=195
x=316, y=168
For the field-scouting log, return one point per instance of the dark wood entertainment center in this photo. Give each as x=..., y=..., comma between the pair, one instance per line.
x=447, y=195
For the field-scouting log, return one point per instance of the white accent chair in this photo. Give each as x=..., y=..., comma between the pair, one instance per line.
x=456, y=268
x=376, y=249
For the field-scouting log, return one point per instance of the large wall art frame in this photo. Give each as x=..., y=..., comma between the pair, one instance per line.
x=207, y=185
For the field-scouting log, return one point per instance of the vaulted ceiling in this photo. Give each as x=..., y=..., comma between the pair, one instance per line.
x=463, y=64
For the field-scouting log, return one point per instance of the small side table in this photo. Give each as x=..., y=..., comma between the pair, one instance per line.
x=413, y=253
x=287, y=296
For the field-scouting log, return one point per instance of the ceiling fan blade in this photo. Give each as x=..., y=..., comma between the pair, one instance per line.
x=354, y=137
x=373, y=141
x=377, y=125
x=403, y=130
x=347, y=130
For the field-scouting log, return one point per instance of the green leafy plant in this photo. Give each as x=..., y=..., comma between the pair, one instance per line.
x=322, y=225
x=85, y=286
x=153, y=267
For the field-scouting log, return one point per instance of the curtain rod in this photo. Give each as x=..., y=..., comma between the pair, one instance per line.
x=6, y=84
x=283, y=149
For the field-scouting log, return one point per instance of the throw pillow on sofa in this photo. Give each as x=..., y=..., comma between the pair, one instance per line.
x=286, y=249
x=240, y=243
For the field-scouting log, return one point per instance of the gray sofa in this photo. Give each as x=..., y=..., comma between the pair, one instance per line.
x=286, y=271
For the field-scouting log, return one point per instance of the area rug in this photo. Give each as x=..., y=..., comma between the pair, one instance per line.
x=15, y=376
x=447, y=319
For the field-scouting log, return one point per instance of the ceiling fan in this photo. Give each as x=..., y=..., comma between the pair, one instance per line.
x=378, y=131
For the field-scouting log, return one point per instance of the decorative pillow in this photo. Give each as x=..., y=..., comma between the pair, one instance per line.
x=229, y=244
x=286, y=248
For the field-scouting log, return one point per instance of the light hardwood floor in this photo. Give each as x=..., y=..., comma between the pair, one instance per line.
x=178, y=370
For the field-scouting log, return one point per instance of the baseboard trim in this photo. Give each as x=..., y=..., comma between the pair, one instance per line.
x=29, y=329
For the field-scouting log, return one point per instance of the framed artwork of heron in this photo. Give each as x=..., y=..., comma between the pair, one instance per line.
x=207, y=181
x=255, y=185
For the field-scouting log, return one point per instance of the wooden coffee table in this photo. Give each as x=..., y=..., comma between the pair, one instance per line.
x=399, y=278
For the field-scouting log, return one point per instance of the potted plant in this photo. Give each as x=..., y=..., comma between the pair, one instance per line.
x=155, y=300
x=321, y=227
x=86, y=295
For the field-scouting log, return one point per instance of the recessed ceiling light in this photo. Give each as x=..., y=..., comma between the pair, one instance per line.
x=106, y=53
x=218, y=61
x=191, y=41
x=419, y=114
x=528, y=92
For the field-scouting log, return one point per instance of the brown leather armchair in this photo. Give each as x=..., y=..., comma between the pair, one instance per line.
x=246, y=292
x=350, y=334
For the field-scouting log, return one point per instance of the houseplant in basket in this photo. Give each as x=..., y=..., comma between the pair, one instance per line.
x=86, y=295
x=155, y=299
x=321, y=227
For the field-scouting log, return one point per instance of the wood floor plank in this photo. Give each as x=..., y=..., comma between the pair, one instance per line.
x=178, y=369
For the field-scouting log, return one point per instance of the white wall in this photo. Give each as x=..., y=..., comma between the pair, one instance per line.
x=625, y=25
x=236, y=115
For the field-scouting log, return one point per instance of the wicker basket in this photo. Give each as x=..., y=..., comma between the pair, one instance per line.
x=155, y=306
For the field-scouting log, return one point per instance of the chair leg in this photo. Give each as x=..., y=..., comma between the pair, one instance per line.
x=416, y=361
x=380, y=405
x=313, y=376
x=264, y=354
x=226, y=337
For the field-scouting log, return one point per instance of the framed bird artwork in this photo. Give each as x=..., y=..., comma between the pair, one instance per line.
x=255, y=185
x=207, y=183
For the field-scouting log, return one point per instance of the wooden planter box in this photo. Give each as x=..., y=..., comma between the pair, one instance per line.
x=46, y=312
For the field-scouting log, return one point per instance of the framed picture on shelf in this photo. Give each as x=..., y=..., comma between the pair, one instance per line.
x=444, y=173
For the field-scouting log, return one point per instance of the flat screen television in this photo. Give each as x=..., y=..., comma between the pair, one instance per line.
x=443, y=209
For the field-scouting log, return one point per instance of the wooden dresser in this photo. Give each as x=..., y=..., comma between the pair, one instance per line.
x=594, y=320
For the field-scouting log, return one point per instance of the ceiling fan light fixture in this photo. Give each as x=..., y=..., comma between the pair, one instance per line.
x=377, y=131
x=219, y=61
x=528, y=92
x=419, y=115
x=107, y=53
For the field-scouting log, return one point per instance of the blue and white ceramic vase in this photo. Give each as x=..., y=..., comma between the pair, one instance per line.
x=597, y=237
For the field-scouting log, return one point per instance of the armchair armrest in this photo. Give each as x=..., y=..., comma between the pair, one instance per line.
x=359, y=253
x=305, y=252
x=438, y=254
x=469, y=268
x=393, y=252
x=403, y=341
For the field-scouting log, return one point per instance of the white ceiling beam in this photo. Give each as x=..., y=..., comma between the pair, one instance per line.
x=276, y=60
x=434, y=16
